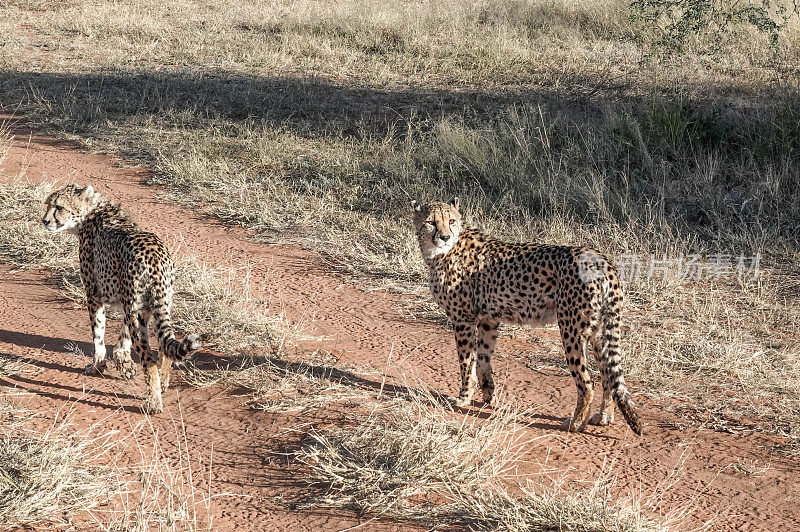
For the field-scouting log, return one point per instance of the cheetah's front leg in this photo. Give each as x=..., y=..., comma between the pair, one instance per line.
x=487, y=338
x=465, y=344
x=97, y=314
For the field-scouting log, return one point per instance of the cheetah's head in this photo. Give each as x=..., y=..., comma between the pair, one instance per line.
x=66, y=208
x=438, y=226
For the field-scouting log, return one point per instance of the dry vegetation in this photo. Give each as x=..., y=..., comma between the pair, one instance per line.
x=560, y=121
x=59, y=475
x=44, y=476
x=414, y=460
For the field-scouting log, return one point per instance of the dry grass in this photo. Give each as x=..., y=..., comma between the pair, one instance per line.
x=61, y=475
x=473, y=44
x=217, y=301
x=561, y=121
x=56, y=475
x=5, y=140
x=161, y=491
x=273, y=384
x=415, y=461
x=708, y=342
x=13, y=365
x=321, y=126
x=46, y=476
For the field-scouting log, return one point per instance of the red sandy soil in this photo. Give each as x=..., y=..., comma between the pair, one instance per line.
x=359, y=328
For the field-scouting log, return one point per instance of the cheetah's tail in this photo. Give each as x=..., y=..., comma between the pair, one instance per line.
x=178, y=350
x=163, y=295
x=612, y=318
x=174, y=349
x=628, y=409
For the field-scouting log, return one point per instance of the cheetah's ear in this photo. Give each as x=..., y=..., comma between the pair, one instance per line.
x=454, y=202
x=88, y=192
x=416, y=206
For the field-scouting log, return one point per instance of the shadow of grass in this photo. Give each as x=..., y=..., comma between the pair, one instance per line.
x=645, y=150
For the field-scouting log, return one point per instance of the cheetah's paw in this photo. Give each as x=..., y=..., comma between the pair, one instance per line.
x=153, y=405
x=602, y=419
x=488, y=395
x=127, y=371
x=94, y=369
x=569, y=425
x=462, y=402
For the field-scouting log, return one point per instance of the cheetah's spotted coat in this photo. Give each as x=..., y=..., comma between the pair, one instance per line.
x=122, y=264
x=480, y=282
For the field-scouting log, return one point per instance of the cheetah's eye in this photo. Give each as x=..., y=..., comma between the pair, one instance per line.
x=59, y=208
x=429, y=223
x=452, y=221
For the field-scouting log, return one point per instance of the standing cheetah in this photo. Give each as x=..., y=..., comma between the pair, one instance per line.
x=480, y=282
x=122, y=264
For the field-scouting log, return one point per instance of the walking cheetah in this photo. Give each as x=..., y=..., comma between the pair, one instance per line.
x=480, y=282
x=122, y=264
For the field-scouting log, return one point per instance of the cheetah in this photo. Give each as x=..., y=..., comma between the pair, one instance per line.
x=123, y=265
x=480, y=282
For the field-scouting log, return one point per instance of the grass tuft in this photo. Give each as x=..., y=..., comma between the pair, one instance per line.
x=45, y=476
x=414, y=460
x=41, y=478
x=11, y=365
x=58, y=475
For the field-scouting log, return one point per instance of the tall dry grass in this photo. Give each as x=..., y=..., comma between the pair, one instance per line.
x=58, y=473
x=45, y=476
x=415, y=461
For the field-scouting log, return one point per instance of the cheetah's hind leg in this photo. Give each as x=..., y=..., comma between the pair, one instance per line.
x=137, y=322
x=164, y=369
x=153, y=403
x=602, y=418
x=606, y=414
x=122, y=354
